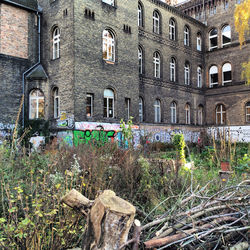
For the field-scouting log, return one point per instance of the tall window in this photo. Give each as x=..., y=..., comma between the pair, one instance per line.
x=199, y=77
x=108, y=45
x=187, y=73
x=199, y=42
x=186, y=36
x=110, y=2
x=157, y=107
x=226, y=5
x=226, y=73
x=213, y=39
x=89, y=105
x=226, y=35
x=220, y=114
x=141, y=109
x=200, y=115
x=172, y=70
x=56, y=43
x=187, y=113
x=56, y=103
x=156, y=22
x=173, y=112
x=127, y=107
x=36, y=101
x=171, y=29
x=157, y=64
x=248, y=112
x=140, y=15
x=213, y=76
x=140, y=60
x=108, y=103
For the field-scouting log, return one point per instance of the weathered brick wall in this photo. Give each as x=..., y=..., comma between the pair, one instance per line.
x=14, y=31
x=162, y=89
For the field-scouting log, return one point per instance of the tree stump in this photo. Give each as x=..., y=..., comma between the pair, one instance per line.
x=109, y=222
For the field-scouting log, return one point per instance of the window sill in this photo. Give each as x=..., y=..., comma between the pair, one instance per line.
x=55, y=59
x=109, y=62
x=106, y=5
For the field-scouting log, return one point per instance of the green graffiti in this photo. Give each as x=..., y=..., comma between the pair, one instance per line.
x=87, y=136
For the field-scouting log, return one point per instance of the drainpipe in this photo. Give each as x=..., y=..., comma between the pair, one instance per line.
x=31, y=68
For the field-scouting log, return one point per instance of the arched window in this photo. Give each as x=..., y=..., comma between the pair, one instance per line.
x=199, y=42
x=156, y=22
x=173, y=109
x=36, y=101
x=248, y=112
x=140, y=15
x=187, y=113
x=187, y=73
x=140, y=60
x=108, y=45
x=200, y=115
x=172, y=70
x=157, y=64
x=213, y=39
x=226, y=73
x=56, y=103
x=56, y=43
x=141, y=108
x=186, y=36
x=226, y=35
x=213, y=76
x=157, y=108
x=199, y=77
x=172, y=29
x=220, y=114
x=108, y=103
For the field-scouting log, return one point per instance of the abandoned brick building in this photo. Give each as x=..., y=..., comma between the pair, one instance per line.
x=104, y=60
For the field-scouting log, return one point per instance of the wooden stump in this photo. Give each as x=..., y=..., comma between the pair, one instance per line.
x=109, y=222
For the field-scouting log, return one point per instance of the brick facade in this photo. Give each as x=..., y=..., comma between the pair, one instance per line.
x=80, y=70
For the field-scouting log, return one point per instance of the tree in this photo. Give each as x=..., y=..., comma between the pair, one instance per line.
x=242, y=26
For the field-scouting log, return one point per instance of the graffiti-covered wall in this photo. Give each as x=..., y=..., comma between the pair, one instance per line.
x=6, y=132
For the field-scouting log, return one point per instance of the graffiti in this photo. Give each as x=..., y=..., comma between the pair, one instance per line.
x=65, y=121
x=83, y=137
x=6, y=132
x=236, y=133
x=36, y=142
x=65, y=137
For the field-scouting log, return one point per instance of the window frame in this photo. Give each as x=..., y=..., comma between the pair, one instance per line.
x=211, y=37
x=110, y=44
x=173, y=112
x=56, y=42
x=222, y=113
x=199, y=77
x=247, y=111
x=199, y=42
x=172, y=66
x=157, y=64
x=109, y=2
x=140, y=15
x=187, y=73
x=211, y=84
x=140, y=59
x=187, y=114
x=200, y=115
x=128, y=106
x=223, y=71
x=91, y=105
x=172, y=29
x=157, y=111
x=156, y=22
x=222, y=35
x=186, y=36
x=141, y=109
x=108, y=100
x=37, y=99
x=56, y=103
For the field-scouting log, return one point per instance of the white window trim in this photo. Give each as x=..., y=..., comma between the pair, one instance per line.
x=91, y=104
x=172, y=70
x=157, y=65
x=140, y=59
x=110, y=2
x=225, y=44
x=156, y=22
x=221, y=112
x=172, y=30
x=140, y=109
x=157, y=109
x=199, y=43
x=56, y=97
x=227, y=70
x=187, y=74
x=187, y=112
x=210, y=78
x=36, y=98
x=173, y=109
x=247, y=114
x=199, y=77
x=140, y=18
x=186, y=36
x=56, y=44
x=109, y=43
x=128, y=107
x=213, y=36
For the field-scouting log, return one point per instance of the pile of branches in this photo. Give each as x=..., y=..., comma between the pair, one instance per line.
x=202, y=221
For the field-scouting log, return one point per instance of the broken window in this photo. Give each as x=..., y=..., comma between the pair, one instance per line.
x=226, y=35
x=213, y=39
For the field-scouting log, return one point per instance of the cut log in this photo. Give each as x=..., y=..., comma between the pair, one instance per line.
x=109, y=222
